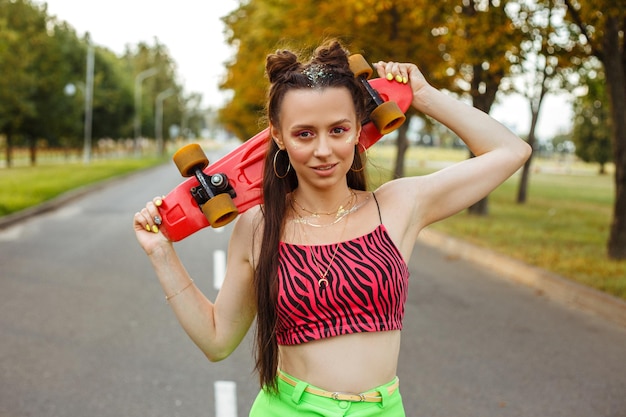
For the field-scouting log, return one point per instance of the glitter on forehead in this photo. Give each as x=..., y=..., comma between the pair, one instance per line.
x=316, y=73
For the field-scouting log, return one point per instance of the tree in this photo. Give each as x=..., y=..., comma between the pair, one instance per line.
x=112, y=96
x=600, y=26
x=60, y=55
x=478, y=40
x=592, y=123
x=64, y=126
x=540, y=66
x=22, y=28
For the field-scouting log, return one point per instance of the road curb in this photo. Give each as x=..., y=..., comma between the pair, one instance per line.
x=65, y=198
x=548, y=284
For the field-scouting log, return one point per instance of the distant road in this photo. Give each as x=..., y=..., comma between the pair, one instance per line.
x=85, y=330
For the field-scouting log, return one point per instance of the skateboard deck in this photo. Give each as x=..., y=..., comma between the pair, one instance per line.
x=236, y=178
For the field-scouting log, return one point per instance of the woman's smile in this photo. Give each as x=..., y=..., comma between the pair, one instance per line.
x=325, y=170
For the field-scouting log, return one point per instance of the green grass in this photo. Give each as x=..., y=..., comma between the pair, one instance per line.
x=22, y=187
x=563, y=227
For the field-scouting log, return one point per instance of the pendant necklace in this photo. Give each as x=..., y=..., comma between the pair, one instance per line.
x=323, y=280
x=341, y=213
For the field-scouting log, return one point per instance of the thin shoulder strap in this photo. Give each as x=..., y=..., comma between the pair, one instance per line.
x=380, y=218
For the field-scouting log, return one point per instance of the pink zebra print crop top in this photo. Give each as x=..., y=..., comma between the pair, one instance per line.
x=364, y=290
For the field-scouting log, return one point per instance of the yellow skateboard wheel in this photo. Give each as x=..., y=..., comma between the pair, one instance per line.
x=387, y=117
x=189, y=158
x=220, y=210
x=359, y=66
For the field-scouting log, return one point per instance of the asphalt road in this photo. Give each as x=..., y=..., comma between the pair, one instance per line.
x=85, y=330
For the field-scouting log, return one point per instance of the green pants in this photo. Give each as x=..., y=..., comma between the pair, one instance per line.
x=293, y=401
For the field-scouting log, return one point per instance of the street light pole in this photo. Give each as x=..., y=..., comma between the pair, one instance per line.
x=88, y=103
x=139, y=78
x=158, y=118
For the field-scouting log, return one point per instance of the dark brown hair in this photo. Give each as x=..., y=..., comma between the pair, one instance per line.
x=328, y=68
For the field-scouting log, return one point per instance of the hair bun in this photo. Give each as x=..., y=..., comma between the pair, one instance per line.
x=280, y=64
x=332, y=54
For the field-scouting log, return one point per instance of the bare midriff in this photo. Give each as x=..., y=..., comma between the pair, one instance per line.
x=353, y=363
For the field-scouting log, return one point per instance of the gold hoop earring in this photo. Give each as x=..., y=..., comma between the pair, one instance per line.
x=358, y=155
x=288, y=166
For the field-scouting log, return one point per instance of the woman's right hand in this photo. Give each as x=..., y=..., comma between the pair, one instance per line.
x=146, y=224
x=402, y=72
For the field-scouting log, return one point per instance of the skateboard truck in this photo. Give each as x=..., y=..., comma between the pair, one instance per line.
x=210, y=186
x=213, y=194
x=387, y=116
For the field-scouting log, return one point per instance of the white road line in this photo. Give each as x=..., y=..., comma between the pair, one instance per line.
x=219, y=268
x=225, y=399
x=225, y=391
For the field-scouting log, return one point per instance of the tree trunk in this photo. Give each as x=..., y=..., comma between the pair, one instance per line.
x=535, y=107
x=9, y=150
x=615, y=71
x=32, y=142
x=522, y=191
x=402, y=144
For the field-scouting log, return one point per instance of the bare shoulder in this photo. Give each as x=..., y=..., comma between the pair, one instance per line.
x=401, y=196
x=246, y=236
x=250, y=220
x=401, y=206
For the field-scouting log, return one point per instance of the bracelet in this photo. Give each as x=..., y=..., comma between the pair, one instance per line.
x=169, y=297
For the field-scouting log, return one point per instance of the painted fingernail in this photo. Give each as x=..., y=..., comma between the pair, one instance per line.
x=405, y=80
x=389, y=76
x=158, y=202
x=148, y=227
x=399, y=78
x=155, y=229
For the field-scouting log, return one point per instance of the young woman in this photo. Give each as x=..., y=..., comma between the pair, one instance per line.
x=322, y=264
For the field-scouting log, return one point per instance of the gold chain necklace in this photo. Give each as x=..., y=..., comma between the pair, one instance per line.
x=338, y=213
x=344, y=213
x=304, y=220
